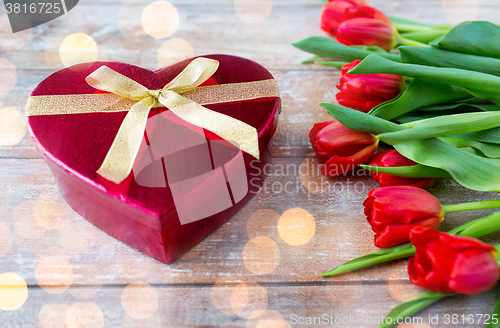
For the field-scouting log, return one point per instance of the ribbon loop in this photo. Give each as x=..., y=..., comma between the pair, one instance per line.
x=106, y=79
x=196, y=73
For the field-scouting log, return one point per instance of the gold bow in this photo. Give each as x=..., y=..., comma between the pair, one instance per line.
x=182, y=96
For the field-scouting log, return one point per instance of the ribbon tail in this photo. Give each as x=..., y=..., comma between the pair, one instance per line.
x=240, y=134
x=121, y=156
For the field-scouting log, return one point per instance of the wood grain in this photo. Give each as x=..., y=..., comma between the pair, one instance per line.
x=38, y=229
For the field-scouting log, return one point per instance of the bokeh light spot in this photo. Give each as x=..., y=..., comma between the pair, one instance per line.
x=85, y=274
x=51, y=211
x=263, y=223
x=54, y=274
x=172, y=51
x=52, y=315
x=398, y=285
x=139, y=300
x=13, y=41
x=261, y=255
x=296, y=226
x=253, y=11
x=249, y=300
x=84, y=315
x=160, y=19
x=74, y=241
x=5, y=239
x=13, y=291
x=12, y=126
x=268, y=319
x=222, y=294
x=129, y=18
x=25, y=223
x=9, y=76
x=78, y=48
x=311, y=177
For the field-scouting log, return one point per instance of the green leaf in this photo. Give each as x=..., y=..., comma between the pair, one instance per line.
x=414, y=171
x=467, y=107
x=448, y=109
x=495, y=314
x=424, y=36
x=418, y=94
x=325, y=47
x=442, y=58
x=359, y=121
x=374, y=49
x=444, y=125
x=474, y=38
x=488, y=149
x=492, y=135
x=413, y=306
x=469, y=170
x=481, y=85
x=481, y=227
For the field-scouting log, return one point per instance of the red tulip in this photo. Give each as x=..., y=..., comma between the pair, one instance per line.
x=451, y=264
x=367, y=26
x=340, y=148
x=333, y=13
x=392, y=158
x=365, y=91
x=394, y=211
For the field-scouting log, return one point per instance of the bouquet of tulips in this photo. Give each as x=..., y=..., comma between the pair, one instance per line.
x=432, y=94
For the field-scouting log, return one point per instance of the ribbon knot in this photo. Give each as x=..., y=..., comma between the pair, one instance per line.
x=121, y=156
x=155, y=93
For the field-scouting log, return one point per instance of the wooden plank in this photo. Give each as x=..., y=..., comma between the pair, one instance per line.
x=40, y=224
x=232, y=305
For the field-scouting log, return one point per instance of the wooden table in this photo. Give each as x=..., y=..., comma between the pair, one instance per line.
x=245, y=274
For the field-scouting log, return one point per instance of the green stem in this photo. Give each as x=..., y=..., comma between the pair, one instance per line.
x=414, y=171
x=404, y=28
x=472, y=206
x=407, y=42
x=310, y=59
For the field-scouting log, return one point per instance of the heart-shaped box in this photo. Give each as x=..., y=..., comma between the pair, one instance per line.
x=186, y=181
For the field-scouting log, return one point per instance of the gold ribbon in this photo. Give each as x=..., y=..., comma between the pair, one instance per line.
x=182, y=96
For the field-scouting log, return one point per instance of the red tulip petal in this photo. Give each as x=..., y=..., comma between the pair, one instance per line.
x=474, y=271
x=339, y=165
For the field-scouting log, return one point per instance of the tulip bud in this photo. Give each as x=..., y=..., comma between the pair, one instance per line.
x=365, y=91
x=367, y=26
x=339, y=148
x=394, y=211
x=392, y=158
x=333, y=13
x=452, y=264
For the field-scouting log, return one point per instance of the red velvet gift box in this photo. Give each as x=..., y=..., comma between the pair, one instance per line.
x=186, y=181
